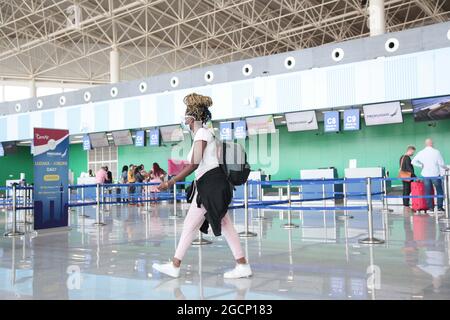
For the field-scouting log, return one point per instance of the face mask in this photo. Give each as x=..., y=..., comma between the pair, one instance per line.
x=184, y=126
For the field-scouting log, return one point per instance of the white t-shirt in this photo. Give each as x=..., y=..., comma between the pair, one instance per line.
x=431, y=162
x=210, y=159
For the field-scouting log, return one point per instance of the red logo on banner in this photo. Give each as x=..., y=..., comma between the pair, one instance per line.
x=42, y=136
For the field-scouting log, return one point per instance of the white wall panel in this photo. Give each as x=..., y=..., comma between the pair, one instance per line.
x=13, y=128
x=416, y=75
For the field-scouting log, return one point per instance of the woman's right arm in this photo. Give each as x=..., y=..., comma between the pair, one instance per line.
x=197, y=156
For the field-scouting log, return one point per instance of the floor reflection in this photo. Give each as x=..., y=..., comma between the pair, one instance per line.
x=321, y=259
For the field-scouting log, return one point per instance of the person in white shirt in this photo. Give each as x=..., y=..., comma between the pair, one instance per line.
x=432, y=164
x=212, y=189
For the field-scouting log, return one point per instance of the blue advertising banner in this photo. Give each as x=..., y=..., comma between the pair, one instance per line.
x=51, y=175
x=331, y=121
x=240, y=129
x=86, y=143
x=226, y=131
x=154, y=137
x=352, y=119
x=139, y=141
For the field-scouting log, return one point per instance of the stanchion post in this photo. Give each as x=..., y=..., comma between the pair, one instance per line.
x=344, y=191
x=174, y=215
x=447, y=201
x=82, y=215
x=246, y=233
x=259, y=216
x=324, y=193
x=289, y=225
x=289, y=192
x=97, y=217
x=14, y=232
x=371, y=239
x=145, y=198
x=200, y=241
x=385, y=194
x=28, y=204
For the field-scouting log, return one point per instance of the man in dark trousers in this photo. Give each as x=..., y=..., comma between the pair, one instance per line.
x=405, y=165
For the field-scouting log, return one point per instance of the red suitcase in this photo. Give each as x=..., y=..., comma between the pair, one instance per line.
x=418, y=189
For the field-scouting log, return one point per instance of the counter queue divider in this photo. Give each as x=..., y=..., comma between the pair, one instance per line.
x=246, y=233
x=345, y=216
x=14, y=232
x=98, y=222
x=370, y=239
x=289, y=224
x=446, y=218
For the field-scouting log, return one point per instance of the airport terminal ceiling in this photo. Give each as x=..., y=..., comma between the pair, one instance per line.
x=70, y=41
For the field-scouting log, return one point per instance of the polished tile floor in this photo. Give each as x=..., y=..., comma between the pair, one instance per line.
x=321, y=259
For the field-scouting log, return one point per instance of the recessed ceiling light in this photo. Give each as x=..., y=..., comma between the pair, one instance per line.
x=278, y=117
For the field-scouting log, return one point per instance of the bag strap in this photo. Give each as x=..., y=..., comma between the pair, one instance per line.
x=401, y=164
x=224, y=156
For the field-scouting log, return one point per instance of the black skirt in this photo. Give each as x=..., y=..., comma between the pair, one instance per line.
x=215, y=193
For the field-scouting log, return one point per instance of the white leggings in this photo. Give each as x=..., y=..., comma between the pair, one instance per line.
x=192, y=223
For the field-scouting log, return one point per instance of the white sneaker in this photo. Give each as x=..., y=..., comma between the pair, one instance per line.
x=240, y=271
x=168, y=269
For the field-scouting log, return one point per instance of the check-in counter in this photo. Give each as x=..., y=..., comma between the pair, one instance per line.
x=317, y=190
x=355, y=188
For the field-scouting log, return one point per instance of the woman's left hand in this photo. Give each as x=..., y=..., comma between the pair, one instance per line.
x=165, y=185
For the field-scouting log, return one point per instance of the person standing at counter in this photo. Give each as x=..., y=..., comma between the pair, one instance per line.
x=131, y=181
x=109, y=178
x=406, y=168
x=124, y=180
x=101, y=176
x=432, y=164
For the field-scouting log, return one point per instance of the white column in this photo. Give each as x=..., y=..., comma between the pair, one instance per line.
x=32, y=88
x=114, y=66
x=377, y=19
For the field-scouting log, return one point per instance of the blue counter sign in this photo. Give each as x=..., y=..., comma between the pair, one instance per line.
x=240, y=129
x=154, y=137
x=331, y=121
x=226, y=131
x=86, y=143
x=140, y=138
x=352, y=120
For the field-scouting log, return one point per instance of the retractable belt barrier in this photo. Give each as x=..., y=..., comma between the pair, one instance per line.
x=143, y=193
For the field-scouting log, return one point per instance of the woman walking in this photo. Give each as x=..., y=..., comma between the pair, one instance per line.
x=212, y=194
